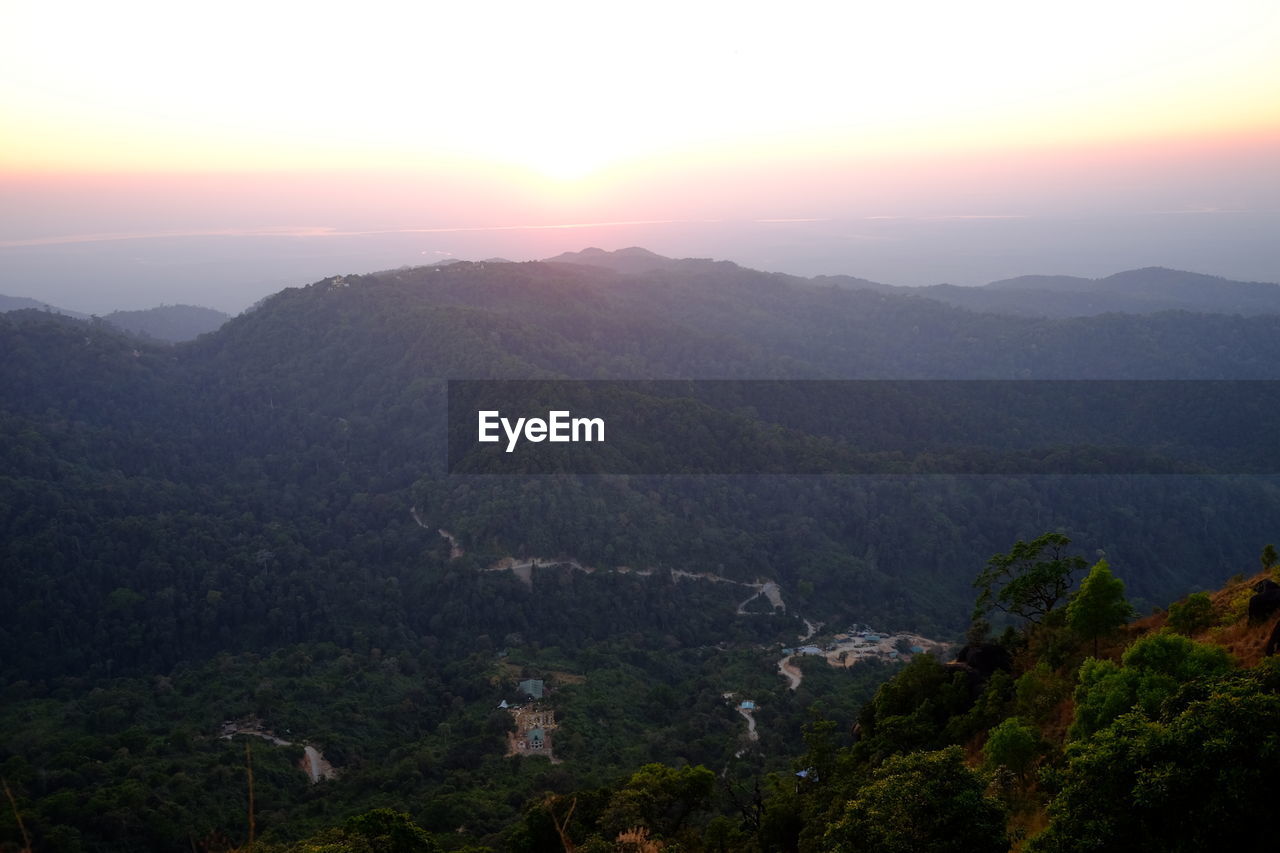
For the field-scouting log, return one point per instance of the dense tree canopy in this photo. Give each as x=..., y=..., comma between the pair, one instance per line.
x=1198, y=774
x=247, y=527
x=926, y=802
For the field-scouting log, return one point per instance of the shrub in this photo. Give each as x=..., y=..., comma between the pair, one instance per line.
x=1192, y=615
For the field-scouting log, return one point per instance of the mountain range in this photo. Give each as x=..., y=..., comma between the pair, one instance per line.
x=1141, y=291
x=258, y=527
x=325, y=406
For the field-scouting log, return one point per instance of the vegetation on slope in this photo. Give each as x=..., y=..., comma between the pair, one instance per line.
x=223, y=530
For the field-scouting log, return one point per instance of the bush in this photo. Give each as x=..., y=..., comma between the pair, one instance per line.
x=1013, y=745
x=1039, y=691
x=1152, y=670
x=1192, y=615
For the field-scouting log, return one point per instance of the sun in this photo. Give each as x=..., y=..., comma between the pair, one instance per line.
x=563, y=161
x=565, y=151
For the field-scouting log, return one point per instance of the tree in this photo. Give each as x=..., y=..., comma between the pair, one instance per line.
x=1192, y=615
x=1012, y=744
x=658, y=798
x=1151, y=670
x=910, y=711
x=1030, y=580
x=1099, y=606
x=923, y=802
x=379, y=831
x=1269, y=558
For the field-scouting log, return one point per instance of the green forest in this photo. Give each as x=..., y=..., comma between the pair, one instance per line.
x=224, y=553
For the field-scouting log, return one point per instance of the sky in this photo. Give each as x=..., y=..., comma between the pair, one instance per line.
x=220, y=150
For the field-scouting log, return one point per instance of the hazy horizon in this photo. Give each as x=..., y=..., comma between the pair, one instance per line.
x=157, y=153
x=232, y=271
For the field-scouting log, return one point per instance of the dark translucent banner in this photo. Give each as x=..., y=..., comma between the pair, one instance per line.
x=863, y=427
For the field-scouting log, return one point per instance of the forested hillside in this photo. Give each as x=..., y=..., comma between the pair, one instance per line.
x=249, y=525
x=1142, y=291
x=172, y=323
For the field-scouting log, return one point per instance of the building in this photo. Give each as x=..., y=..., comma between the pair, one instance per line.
x=533, y=688
x=537, y=738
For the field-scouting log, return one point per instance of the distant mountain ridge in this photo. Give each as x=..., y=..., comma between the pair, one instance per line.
x=635, y=260
x=1139, y=291
x=23, y=303
x=170, y=323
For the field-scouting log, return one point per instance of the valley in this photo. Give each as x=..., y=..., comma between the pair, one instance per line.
x=217, y=531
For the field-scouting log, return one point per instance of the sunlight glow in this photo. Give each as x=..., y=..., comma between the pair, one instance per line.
x=568, y=90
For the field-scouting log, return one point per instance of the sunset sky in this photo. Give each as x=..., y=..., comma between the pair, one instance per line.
x=137, y=119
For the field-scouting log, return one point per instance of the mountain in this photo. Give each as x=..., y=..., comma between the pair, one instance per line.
x=256, y=532
x=1142, y=291
x=172, y=323
x=636, y=260
x=20, y=303
x=1067, y=283
x=323, y=409
x=444, y=262
x=1075, y=732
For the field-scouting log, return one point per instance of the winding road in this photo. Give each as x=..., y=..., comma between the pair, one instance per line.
x=790, y=671
x=752, y=734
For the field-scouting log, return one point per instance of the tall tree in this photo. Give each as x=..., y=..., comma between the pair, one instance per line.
x=1099, y=606
x=1030, y=580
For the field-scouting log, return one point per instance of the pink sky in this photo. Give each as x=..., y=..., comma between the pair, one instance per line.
x=144, y=117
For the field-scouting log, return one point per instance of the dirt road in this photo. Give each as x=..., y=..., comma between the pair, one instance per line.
x=790, y=671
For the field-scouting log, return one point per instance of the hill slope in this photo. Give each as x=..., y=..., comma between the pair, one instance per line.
x=173, y=323
x=1142, y=291
x=250, y=525
x=22, y=303
x=323, y=411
